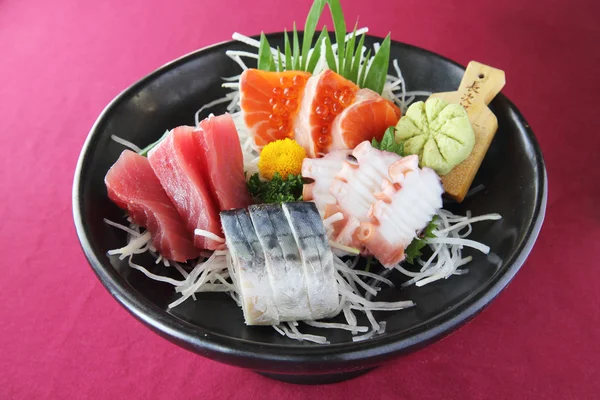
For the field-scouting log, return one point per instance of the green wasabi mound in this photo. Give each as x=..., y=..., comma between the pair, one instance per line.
x=439, y=132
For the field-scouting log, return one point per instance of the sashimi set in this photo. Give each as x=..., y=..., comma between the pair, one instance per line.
x=322, y=178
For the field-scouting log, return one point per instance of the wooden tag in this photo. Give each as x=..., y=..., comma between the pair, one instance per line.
x=480, y=84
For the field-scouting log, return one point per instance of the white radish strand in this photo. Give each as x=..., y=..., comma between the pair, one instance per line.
x=208, y=235
x=126, y=143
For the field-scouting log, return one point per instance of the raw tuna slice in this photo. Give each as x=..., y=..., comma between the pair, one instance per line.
x=133, y=186
x=180, y=165
x=221, y=144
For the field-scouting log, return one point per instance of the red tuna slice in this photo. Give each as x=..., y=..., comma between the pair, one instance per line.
x=221, y=144
x=133, y=186
x=180, y=165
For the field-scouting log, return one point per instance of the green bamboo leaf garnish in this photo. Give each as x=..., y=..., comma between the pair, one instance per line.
x=348, y=56
x=339, y=23
x=316, y=54
x=375, y=78
x=356, y=61
x=371, y=73
x=329, y=56
x=296, y=50
x=312, y=19
x=265, y=58
x=288, y=50
x=361, y=74
x=279, y=61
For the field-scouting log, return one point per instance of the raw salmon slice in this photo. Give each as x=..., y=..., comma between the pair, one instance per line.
x=270, y=102
x=220, y=143
x=326, y=96
x=180, y=164
x=367, y=118
x=133, y=186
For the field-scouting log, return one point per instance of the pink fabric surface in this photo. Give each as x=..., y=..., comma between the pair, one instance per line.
x=62, y=336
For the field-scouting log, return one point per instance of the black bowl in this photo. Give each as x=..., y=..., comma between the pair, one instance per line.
x=512, y=173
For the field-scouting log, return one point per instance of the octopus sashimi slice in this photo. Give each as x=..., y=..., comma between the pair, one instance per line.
x=354, y=188
x=322, y=171
x=405, y=205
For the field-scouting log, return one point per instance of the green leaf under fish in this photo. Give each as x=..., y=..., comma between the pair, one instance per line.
x=413, y=251
x=388, y=142
x=277, y=190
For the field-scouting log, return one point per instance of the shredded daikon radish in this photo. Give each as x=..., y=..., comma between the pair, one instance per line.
x=180, y=269
x=211, y=265
x=213, y=103
x=461, y=242
x=295, y=334
x=278, y=329
x=487, y=217
x=235, y=78
x=421, y=93
x=239, y=53
x=125, y=143
x=154, y=276
x=136, y=245
x=447, y=248
x=349, y=315
x=231, y=85
x=346, y=249
x=334, y=325
x=210, y=235
x=122, y=227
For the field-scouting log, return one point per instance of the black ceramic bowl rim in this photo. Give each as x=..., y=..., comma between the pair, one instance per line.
x=296, y=357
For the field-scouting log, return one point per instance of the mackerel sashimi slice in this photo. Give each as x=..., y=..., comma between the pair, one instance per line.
x=282, y=262
x=251, y=277
x=225, y=162
x=179, y=162
x=317, y=258
x=133, y=186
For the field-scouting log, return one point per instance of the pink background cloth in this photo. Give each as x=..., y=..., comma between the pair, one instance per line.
x=62, y=336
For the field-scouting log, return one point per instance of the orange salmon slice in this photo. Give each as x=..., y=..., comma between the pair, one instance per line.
x=367, y=118
x=270, y=102
x=327, y=95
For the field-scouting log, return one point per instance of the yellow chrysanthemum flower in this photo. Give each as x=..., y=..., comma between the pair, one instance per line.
x=283, y=156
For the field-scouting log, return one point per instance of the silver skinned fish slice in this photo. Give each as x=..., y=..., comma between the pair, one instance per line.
x=248, y=263
x=283, y=262
x=317, y=258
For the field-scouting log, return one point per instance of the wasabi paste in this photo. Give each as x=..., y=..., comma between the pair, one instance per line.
x=439, y=132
